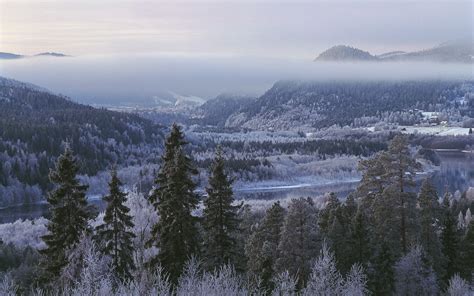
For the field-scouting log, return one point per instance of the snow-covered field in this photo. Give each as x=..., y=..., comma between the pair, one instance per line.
x=438, y=130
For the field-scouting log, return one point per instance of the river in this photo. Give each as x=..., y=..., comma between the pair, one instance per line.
x=456, y=172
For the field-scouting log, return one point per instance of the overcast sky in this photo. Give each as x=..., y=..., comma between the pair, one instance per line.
x=227, y=28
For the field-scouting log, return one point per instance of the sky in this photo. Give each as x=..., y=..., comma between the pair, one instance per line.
x=291, y=29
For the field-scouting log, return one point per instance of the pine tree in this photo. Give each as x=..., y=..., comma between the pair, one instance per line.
x=114, y=235
x=262, y=246
x=429, y=220
x=220, y=220
x=176, y=233
x=449, y=242
x=399, y=171
x=389, y=207
x=69, y=215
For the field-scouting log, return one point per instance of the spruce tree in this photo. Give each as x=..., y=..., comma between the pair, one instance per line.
x=449, y=242
x=382, y=280
x=69, y=215
x=220, y=219
x=262, y=246
x=429, y=218
x=176, y=233
x=328, y=213
x=300, y=240
x=114, y=236
x=360, y=240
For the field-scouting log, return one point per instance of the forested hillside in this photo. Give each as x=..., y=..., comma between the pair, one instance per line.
x=290, y=105
x=35, y=124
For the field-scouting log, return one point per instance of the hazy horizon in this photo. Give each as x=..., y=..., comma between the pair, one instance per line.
x=132, y=51
x=114, y=79
x=284, y=29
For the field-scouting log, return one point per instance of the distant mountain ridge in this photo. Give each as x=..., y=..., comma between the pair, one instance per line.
x=345, y=53
x=448, y=52
x=13, y=56
x=292, y=105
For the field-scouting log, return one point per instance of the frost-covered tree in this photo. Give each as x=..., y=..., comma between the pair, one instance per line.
x=414, y=276
x=69, y=215
x=355, y=283
x=262, y=246
x=461, y=223
x=459, y=287
x=176, y=233
x=220, y=219
x=468, y=217
x=325, y=279
x=222, y=281
x=144, y=217
x=8, y=286
x=115, y=236
x=285, y=284
x=87, y=272
x=300, y=240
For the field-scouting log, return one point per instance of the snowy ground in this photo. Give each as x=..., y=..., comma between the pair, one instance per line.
x=438, y=130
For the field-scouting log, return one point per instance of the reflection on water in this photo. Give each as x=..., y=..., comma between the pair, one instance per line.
x=456, y=173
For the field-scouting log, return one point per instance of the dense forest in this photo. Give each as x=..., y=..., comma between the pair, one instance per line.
x=35, y=125
x=386, y=238
x=290, y=104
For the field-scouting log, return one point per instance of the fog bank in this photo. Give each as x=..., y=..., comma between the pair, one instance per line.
x=116, y=79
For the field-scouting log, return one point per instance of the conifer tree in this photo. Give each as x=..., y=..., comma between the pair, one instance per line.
x=382, y=275
x=399, y=170
x=69, y=215
x=300, y=239
x=328, y=213
x=449, y=242
x=262, y=246
x=339, y=239
x=429, y=220
x=220, y=219
x=115, y=236
x=360, y=241
x=176, y=233
x=467, y=252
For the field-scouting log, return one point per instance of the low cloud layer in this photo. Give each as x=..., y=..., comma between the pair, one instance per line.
x=139, y=78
